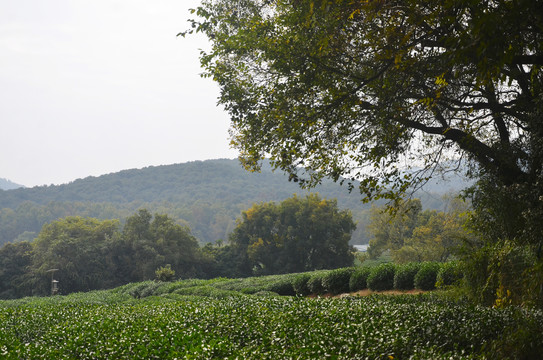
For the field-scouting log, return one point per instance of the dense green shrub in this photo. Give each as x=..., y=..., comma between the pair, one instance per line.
x=514, y=275
x=382, y=277
x=144, y=289
x=450, y=273
x=359, y=278
x=480, y=286
x=208, y=291
x=314, y=284
x=165, y=273
x=299, y=284
x=427, y=275
x=282, y=287
x=404, y=277
x=337, y=281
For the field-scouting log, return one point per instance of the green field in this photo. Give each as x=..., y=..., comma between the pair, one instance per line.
x=206, y=319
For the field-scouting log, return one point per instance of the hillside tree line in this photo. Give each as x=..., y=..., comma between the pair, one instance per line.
x=296, y=235
x=206, y=196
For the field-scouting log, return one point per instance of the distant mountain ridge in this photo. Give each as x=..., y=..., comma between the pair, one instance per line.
x=206, y=195
x=223, y=178
x=6, y=184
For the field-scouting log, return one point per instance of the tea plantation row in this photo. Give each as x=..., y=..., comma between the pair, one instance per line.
x=386, y=276
x=109, y=325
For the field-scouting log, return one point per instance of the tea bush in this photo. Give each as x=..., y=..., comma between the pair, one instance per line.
x=282, y=287
x=450, y=273
x=381, y=277
x=359, y=279
x=314, y=284
x=299, y=284
x=144, y=289
x=337, y=281
x=427, y=275
x=404, y=277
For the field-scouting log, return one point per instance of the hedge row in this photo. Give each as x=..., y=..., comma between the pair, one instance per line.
x=387, y=276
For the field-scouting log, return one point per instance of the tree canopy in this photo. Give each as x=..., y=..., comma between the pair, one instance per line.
x=362, y=88
x=412, y=234
x=77, y=248
x=88, y=254
x=390, y=93
x=299, y=234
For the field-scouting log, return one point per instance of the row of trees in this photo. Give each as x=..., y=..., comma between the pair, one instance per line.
x=207, y=196
x=295, y=235
x=92, y=254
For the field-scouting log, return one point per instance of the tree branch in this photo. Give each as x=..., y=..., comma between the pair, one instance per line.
x=527, y=60
x=485, y=155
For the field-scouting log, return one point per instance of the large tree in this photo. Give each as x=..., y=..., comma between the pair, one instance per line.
x=360, y=89
x=149, y=243
x=15, y=259
x=363, y=90
x=77, y=248
x=299, y=234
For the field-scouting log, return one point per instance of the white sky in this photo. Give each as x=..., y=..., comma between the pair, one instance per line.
x=89, y=87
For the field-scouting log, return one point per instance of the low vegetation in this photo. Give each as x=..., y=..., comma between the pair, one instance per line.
x=245, y=318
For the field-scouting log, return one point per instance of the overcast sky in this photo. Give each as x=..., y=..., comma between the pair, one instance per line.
x=89, y=87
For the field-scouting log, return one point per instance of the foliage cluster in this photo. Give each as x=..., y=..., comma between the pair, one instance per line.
x=411, y=234
x=404, y=277
x=504, y=273
x=337, y=281
x=165, y=273
x=359, y=278
x=426, y=277
x=105, y=324
x=296, y=235
x=449, y=274
x=299, y=284
x=382, y=277
x=84, y=254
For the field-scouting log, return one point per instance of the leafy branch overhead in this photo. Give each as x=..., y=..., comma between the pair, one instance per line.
x=360, y=89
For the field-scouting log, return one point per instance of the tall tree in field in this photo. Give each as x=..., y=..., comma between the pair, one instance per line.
x=360, y=89
x=77, y=248
x=293, y=236
x=149, y=243
x=15, y=262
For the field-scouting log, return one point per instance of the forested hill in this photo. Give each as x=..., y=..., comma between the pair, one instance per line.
x=210, y=181
x=205, y=195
